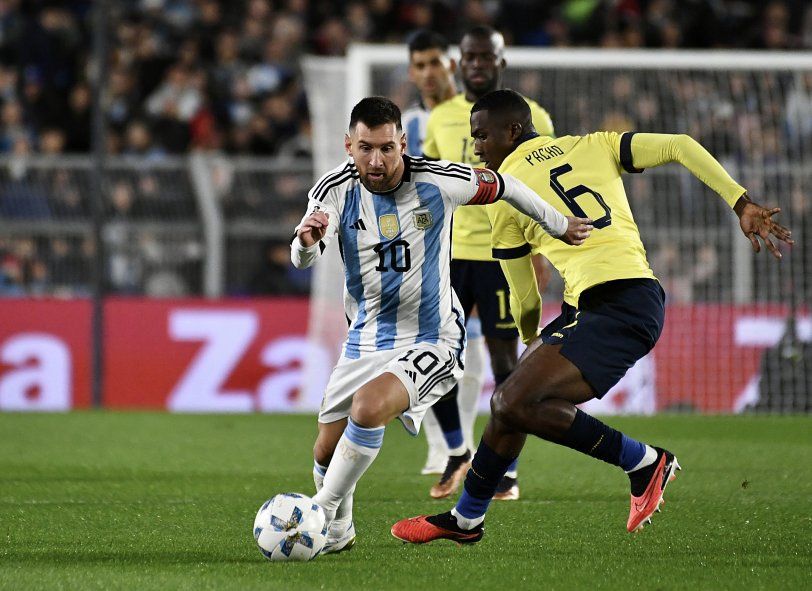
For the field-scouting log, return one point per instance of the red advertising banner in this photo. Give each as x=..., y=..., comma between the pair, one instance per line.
x=249, y=355
x=200, y=356
x=45, y=354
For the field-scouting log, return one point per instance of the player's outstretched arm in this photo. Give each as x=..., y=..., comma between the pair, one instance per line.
x=569, y=229
x=757, y=222
x=646, y=150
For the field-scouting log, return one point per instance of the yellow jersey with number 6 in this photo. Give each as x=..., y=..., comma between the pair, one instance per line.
x=448, y=137
x=579, y=176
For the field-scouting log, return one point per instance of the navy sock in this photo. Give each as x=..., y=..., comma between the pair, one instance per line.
x=487, y=469
x=448, y=416
x=593, y=438
x=498, y=379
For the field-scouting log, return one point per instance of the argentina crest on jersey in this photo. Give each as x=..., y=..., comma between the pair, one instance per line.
x=422, y=218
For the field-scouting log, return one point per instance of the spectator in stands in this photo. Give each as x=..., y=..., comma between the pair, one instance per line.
x=138, y=142
x=78, y=121
x=273, y=276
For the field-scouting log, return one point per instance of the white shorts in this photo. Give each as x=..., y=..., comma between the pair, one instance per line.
x=427, y=370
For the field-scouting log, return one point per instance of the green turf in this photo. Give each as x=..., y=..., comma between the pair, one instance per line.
x=157, y=501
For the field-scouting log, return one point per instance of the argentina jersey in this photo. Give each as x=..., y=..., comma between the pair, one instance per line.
x=414, y=124
x=395, y=247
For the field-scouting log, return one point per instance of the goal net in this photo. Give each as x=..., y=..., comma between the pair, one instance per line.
x=738, y=327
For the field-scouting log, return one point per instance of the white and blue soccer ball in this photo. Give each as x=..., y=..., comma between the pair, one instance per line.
x=290, y=526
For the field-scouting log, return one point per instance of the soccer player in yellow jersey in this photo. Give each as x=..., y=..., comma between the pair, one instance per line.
x=475, y=276
x=613, y=310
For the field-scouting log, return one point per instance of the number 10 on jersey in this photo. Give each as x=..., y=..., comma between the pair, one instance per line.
x=393, y=256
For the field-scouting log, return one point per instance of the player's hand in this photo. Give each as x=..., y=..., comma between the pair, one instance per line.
x=313, y=228
x=578, y=230
x=756, y=222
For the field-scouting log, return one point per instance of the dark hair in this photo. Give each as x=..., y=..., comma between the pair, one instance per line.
x=375, y=111
x=481, y=32
x=423, y=39
x=506, y=103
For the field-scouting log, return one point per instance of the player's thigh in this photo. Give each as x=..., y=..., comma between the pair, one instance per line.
x=327, y=440
x=380, y=400
x=492, y=298
x=544, y=374
x=349, y=376
x=428, y=371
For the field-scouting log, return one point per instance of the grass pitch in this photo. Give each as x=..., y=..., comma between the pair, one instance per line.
x=101, y=500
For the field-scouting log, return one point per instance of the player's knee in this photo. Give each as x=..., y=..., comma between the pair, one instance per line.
x=370, y=411
x=506, y=407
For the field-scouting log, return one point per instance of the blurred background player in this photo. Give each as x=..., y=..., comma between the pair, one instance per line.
x=432, y=70
x=475, y=275
x=613, y=312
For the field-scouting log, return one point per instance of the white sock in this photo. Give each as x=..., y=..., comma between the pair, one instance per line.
x=466, y=523
x=318, y=475
x=648, y=458
x=355, y=452
x=470, y=388
x=434, y=436
x=343, y=516
x=458, y=451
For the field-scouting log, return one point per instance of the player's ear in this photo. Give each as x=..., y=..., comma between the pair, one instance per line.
x=347, y=144
x=516, y=131
x=452, y=66
x=403, y=142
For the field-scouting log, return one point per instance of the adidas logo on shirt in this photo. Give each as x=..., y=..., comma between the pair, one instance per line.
x=358, y=225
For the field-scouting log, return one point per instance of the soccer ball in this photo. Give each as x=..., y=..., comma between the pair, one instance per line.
x=290, y=526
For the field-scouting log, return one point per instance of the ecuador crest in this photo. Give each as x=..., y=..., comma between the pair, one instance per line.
x=389, y=225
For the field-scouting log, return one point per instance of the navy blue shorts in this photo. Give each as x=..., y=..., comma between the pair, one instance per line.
x=616, y=323
x=483, y=284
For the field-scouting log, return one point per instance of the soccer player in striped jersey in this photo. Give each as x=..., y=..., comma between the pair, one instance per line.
x=404, y=349
x=431, y=70
x=613, y=311
x=475, y=275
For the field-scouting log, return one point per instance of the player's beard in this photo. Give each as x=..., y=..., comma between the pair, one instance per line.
x=480, y=89
x=381, y=185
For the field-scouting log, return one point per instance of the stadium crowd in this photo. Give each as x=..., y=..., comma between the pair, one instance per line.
x=224, y=77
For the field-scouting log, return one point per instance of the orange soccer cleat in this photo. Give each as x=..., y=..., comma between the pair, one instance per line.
x=453, y=475
x=654, y=478
x=427, y=528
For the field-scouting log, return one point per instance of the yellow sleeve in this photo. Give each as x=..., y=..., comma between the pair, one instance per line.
x=541, y=120
x=430, y=149
x=513, y=252
x=525, y=300
x=507, y=236
x=638, y=151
